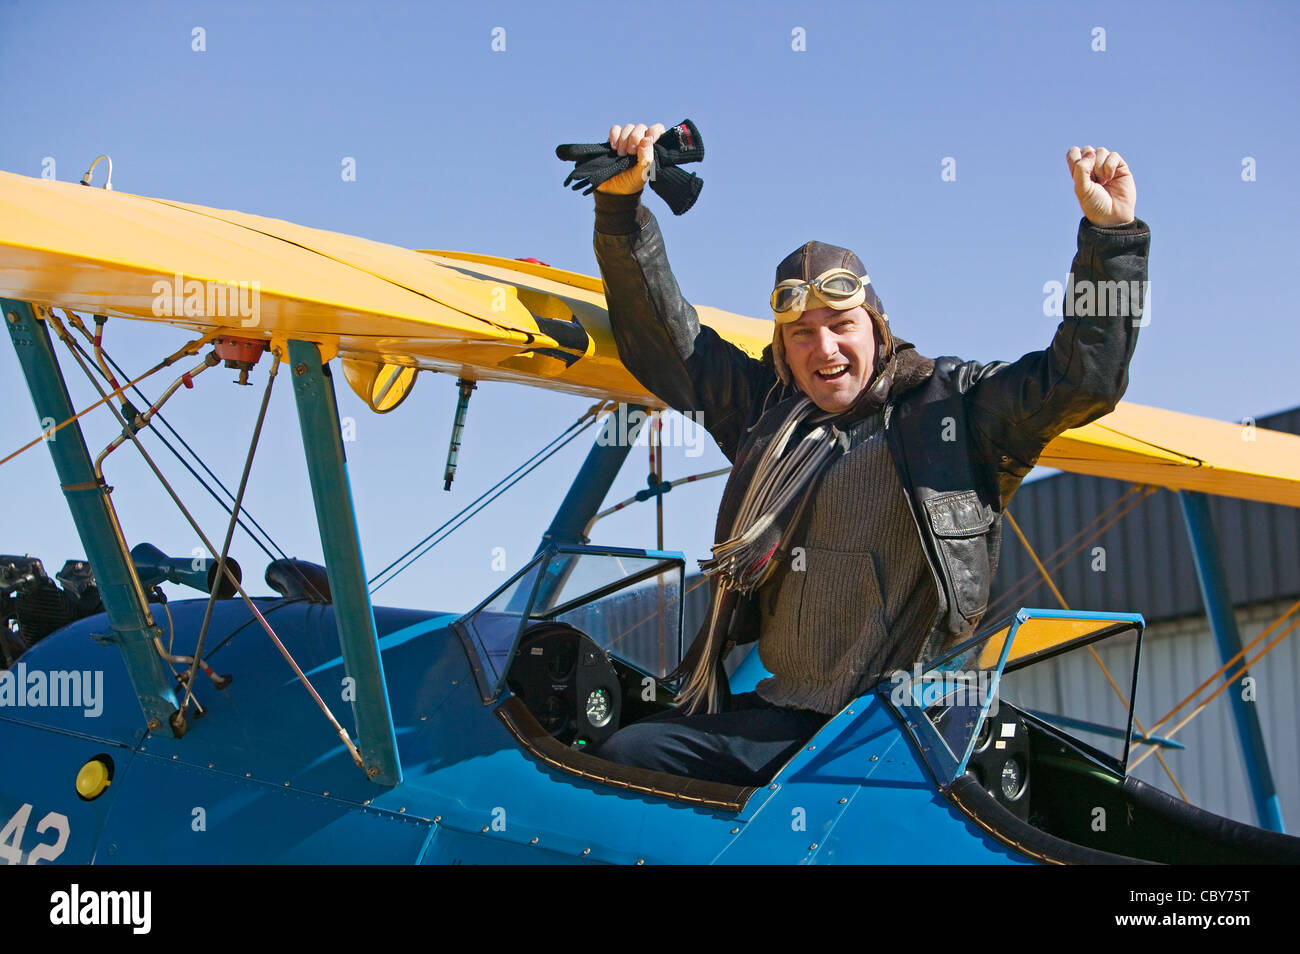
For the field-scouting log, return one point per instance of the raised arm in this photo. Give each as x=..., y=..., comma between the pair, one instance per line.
x=688, y=366
x=1016, y=409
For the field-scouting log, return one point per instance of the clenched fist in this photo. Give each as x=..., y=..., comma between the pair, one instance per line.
x=632, y=139
x=1103, y=185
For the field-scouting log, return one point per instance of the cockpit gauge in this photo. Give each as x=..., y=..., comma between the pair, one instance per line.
x=599, y=708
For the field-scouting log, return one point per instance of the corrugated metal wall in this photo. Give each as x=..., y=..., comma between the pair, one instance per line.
x=1147, y=557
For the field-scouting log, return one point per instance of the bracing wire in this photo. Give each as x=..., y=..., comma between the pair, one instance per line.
x=84, y=361
x=202, y=483
x=492, y=493
x=157, y=416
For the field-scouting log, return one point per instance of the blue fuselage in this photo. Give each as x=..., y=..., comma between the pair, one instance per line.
x=263, y=777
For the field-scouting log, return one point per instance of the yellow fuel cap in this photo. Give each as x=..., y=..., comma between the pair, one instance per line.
x=92, y=779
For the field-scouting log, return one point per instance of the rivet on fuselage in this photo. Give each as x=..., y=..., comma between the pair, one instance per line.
x=586, y=851
x=534, y=841
x=843, y=801
x=875, y=758
x=640, y=861
x=813, y=846
x=735, y=831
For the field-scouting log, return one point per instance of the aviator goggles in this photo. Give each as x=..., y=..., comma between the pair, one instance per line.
x=838, y=288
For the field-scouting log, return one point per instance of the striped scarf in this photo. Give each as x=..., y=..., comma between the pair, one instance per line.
x=770, y=509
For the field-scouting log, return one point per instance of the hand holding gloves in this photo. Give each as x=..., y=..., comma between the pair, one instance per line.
x=597, y=162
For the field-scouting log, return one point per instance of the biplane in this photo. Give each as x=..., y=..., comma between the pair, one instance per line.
x=308, y=725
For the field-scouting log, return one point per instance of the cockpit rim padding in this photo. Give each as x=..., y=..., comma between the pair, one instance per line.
x=539, y=743
x=1262, y=845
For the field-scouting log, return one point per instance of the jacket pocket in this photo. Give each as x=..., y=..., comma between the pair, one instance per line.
x=960, y=524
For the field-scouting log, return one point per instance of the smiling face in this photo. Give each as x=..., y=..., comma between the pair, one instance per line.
x=831, y=355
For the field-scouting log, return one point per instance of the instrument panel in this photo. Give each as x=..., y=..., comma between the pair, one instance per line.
x=1000, y=760
x=568, y=683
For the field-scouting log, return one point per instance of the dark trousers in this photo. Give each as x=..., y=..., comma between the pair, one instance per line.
x=745, y=745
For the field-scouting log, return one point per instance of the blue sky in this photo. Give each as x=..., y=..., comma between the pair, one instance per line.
x=842, y=142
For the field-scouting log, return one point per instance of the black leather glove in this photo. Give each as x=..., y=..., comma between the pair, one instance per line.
x=598, y=162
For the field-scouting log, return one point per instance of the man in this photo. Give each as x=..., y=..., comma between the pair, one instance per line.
x=860, y=525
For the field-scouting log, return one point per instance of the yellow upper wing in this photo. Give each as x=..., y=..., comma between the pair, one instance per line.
x=1182, y=452
x=476, y=316
x=118, y=254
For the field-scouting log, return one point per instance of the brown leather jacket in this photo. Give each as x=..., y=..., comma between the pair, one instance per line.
x=1002, y=414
